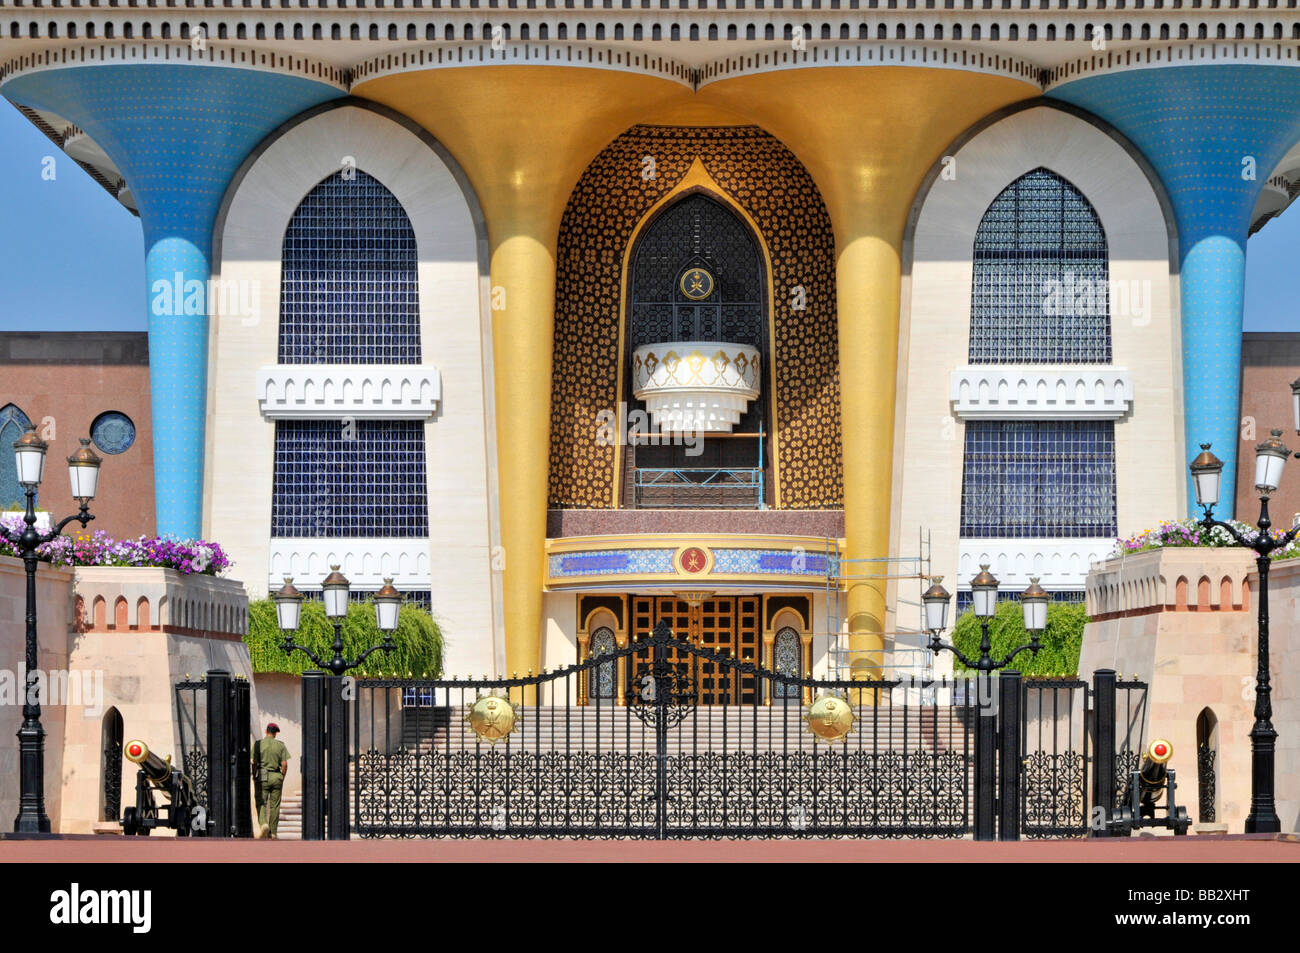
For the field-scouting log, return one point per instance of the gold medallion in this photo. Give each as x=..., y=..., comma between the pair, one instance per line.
x=830, y=718
x=697, y=284
x=492, y=717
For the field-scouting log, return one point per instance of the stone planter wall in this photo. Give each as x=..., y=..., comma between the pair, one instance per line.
x=1184, y=620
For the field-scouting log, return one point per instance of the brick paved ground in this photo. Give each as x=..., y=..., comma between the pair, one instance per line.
x=1232, y=849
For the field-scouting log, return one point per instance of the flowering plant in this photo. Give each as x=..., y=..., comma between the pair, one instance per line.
x=1189, y=532
x=100, y=549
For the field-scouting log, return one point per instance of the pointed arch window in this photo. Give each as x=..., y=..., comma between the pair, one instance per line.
x=13, y=424
x=1040, y=290
x=349, y=291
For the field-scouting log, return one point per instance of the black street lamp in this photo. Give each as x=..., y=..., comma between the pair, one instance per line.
x=984, y=589
x=321, y=788
x=83, y=470
x=288, y=608
x=984, y=592
x=1207, y=469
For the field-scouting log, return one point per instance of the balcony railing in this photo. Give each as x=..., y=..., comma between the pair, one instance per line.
x=695, y=488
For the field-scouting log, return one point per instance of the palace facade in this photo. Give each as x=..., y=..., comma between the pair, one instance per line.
x=571, y=317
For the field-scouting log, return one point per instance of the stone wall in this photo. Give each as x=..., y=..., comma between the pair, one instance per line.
x=1184, y=620
x=114, y=641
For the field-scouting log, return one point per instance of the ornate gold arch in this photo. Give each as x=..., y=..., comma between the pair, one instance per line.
x=757, y=177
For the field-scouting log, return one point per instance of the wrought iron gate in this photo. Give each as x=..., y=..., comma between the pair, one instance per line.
x=542, y=756
x=562, y=755
x=213, y=715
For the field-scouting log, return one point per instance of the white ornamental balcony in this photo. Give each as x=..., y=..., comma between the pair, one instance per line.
x=699, y=386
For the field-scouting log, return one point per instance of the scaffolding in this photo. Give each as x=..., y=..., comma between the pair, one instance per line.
x=906, y=655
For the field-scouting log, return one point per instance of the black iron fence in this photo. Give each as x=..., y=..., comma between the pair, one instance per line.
x=664, y=755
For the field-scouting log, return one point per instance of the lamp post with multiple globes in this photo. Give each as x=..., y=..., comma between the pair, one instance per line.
x=1207, y=472
x=1033, y=601
x=83, y=470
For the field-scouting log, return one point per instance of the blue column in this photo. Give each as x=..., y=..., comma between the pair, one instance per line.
x=1204, y=129
x=177, y=133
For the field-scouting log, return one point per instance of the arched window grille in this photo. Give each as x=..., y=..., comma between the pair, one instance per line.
x=13, y=424
x=349, y=291
x=786, y=650
x=699, y=232
x=602, y=676
x=1040, y=292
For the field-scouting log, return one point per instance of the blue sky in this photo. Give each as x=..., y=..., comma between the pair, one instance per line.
x=73, y=258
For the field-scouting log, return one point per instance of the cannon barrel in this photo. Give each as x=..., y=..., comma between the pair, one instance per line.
x=156, y=770
x=1155, y=767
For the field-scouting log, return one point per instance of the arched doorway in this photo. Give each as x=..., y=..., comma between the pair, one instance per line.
x=110, y=796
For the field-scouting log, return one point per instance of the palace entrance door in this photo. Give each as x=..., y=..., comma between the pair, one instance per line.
x=725, y=625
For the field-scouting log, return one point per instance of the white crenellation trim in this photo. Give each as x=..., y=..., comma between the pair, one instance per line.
x=1057, y=563
x=365, y=562
x=150, y=51
x=363, y=392
x=1056, y=392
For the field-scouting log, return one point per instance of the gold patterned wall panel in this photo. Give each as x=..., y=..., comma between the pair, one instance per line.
x=616, y=191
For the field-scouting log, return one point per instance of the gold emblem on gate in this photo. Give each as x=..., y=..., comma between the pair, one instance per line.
x=830, y=718
x=697, y=284
x=492, y=717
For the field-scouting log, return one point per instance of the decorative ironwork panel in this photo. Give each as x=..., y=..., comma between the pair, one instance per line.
x=1039, y=479
x=113, y=775
x=605, y=676
x=192, y=717
x=1130, y=731
x=1040, y=290
x=786, y=650
x=366, y=479
x=350, y=289
x=1205, y=783
x=1054, y=775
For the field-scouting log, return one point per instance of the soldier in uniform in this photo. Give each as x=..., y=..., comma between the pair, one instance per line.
x=270, y=762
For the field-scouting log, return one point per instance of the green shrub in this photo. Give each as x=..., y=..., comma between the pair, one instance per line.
x=1061, y=640
x=418, y=640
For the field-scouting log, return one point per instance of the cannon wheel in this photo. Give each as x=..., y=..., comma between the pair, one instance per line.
x=131, y=825
x=1181, y=822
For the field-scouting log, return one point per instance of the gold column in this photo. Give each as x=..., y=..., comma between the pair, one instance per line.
x=584, y=652
x=769, y=641
x=523, y=135
x=620, y=637
x=805, y=639
x=868, y=136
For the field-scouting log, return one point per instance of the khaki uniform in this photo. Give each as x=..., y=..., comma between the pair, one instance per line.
x=268, y=755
